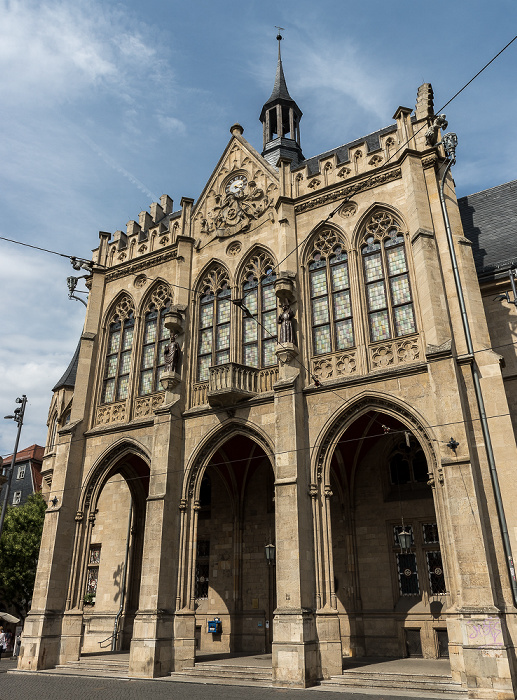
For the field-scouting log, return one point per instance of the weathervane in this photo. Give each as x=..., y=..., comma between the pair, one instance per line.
x=279, y=36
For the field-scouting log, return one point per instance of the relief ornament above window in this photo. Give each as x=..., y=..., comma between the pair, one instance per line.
x=234, y=211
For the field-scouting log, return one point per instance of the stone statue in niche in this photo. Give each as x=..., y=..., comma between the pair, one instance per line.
x=172, y=354
x=286, y=324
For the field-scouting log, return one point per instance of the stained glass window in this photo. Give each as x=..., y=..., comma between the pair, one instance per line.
x=156, y=337
x=388, y=291
x=118, y=360
x=332, y=326
x=214, y=330
x=259, y=333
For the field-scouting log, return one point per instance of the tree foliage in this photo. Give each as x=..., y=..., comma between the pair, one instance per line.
x=19, y=549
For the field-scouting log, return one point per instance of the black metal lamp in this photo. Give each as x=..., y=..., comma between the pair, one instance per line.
x=270, y=553
x=404, y=537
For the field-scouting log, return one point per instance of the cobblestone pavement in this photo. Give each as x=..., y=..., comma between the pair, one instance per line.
x=32, y=686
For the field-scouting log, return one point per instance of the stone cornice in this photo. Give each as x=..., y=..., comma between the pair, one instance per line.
x=366, y=183
x=133, y=266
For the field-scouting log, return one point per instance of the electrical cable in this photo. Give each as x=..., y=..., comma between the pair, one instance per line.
x=389, y=432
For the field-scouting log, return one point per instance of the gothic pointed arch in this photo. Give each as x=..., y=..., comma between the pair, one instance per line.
x=366, y=218
x=366, y=402
x=256, y=287
x=328, y=231
x=115, y=458
x=211, y=444
x=214, y=319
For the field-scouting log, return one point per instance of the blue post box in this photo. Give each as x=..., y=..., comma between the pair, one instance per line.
x=214, y=626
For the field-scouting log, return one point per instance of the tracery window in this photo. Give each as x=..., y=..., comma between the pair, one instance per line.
x=214, y=323
x=332, y=325
x=118, y=356
x=259, y=331
x=155, y=338
x=388, y=290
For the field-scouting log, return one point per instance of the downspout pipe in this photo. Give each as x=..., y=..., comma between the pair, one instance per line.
x=124, y=578
x=450, y=142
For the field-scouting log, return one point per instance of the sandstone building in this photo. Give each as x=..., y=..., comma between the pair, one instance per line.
x=281, y=368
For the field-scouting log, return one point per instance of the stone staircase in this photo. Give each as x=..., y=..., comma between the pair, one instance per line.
x=228, y=674
x=417, y=684
x=110, y=666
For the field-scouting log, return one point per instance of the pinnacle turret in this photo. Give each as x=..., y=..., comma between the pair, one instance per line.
x=280, y=117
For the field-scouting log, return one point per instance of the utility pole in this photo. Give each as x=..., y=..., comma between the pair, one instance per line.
x=18, y=418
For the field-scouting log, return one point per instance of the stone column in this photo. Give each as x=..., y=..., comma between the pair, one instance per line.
x=151, y=647
x=295, y=649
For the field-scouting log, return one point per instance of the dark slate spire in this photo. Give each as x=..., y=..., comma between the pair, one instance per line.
x=68, y=378
x=280, y=117
x=280, y=91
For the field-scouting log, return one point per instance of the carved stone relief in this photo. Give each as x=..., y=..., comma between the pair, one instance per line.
x=146, y=405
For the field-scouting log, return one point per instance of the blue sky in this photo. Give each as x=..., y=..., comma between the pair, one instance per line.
x=108, y=105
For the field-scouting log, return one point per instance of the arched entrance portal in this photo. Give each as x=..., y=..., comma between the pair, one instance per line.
x=109, y=569
x=231, y=585
x=389, y=595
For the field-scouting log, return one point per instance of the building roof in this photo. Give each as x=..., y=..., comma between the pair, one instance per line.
x=490, y=222
x=68, y=378
x=342, y=153
x=34, y=452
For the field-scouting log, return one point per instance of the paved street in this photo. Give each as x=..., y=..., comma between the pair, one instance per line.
x=32, y=686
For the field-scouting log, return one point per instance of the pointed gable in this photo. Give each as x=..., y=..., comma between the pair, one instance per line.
x=239, y=195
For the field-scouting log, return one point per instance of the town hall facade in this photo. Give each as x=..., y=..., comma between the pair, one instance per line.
x=272, y=385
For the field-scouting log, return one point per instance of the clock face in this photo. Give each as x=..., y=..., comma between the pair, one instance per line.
x=236, y=184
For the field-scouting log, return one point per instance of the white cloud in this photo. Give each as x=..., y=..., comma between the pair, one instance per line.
x=171, y=124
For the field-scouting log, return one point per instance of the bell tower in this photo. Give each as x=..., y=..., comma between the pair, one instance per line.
x=280, y=117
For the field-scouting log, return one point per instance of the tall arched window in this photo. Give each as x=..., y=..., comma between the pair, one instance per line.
x=155, y=338
x=332, y=325
x=214, y=323
x=118, y=356
x=259, y=332
x=388, y=291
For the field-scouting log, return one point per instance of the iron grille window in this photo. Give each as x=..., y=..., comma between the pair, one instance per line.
x=214, y=331
x=156, y=337
x=260, y=332
x=202, y=569
x=408, y=574
x=435, y=571
x=332, y=326
x=118, y=360
x=388, y=291
x=430, y=533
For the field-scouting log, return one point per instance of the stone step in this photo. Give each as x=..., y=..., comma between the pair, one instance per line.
x=216, y=671
x=398, y=681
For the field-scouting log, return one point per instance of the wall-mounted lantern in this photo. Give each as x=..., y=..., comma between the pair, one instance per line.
x=404, y=537
x=270, y=554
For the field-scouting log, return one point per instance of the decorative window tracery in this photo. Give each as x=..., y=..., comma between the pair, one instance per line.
x=332, y=324
x=155, y=338
x=259, y=331
x=118, y=356
x=214, y=322
x=388, y=290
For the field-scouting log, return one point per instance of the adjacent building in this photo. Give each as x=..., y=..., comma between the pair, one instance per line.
x=270, y=438
x=26, y=478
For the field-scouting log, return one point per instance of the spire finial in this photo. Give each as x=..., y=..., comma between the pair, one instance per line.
x=279, y=37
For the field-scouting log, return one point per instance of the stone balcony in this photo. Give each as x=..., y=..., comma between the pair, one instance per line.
x=230, y=383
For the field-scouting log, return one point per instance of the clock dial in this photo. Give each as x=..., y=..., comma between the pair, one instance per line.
x=236, y=184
